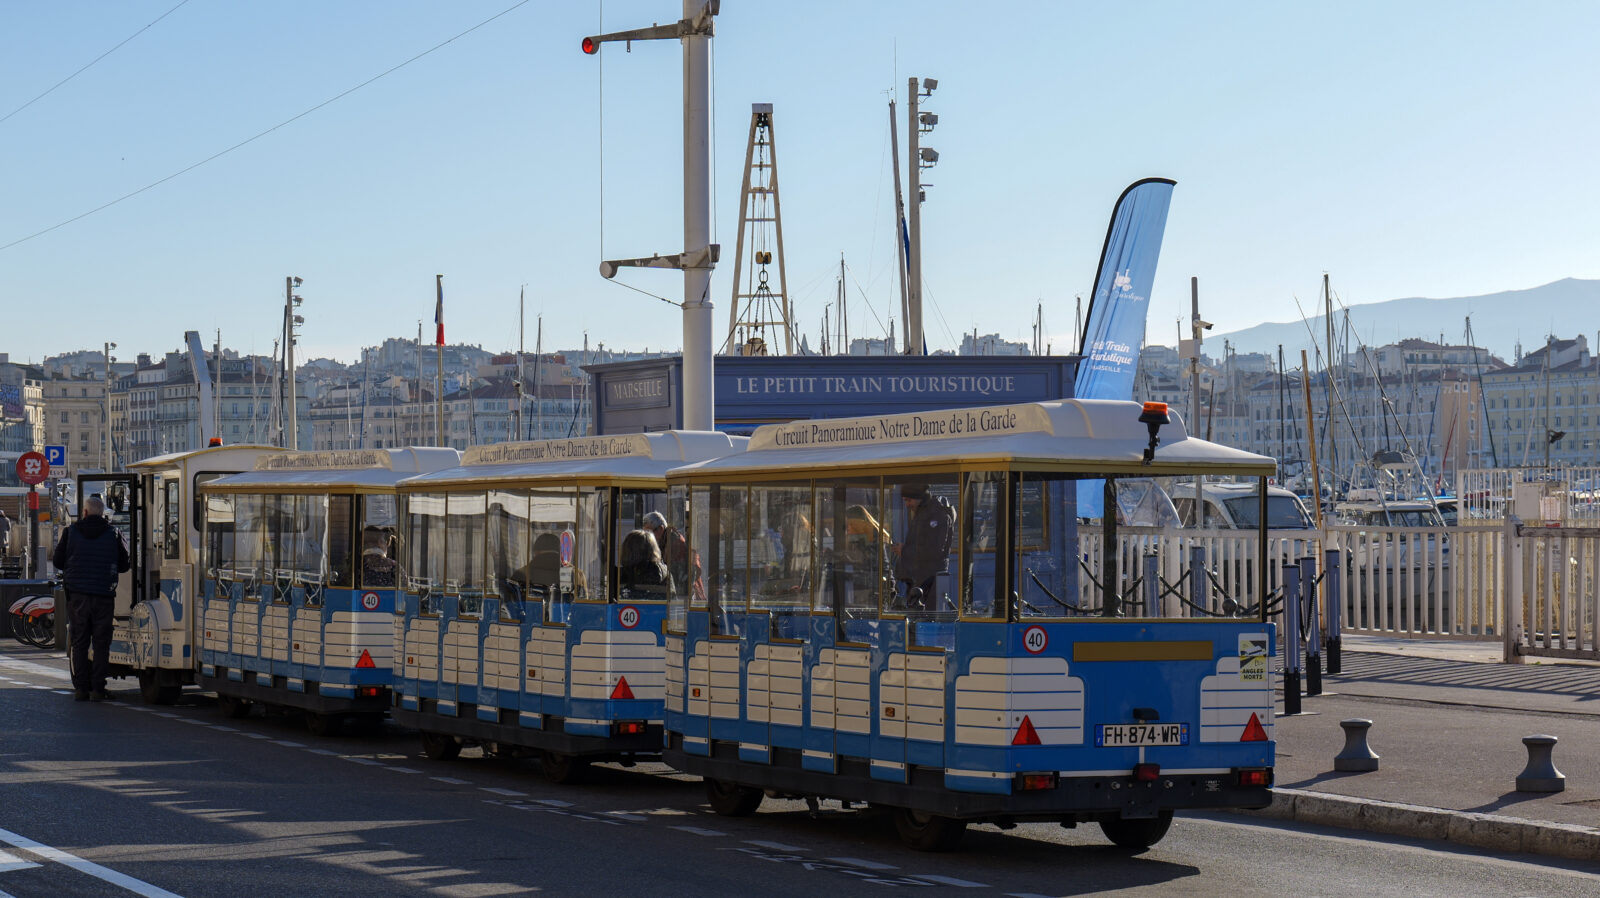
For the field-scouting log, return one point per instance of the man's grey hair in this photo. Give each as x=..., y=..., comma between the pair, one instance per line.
x=94, y=505
x=655, y=520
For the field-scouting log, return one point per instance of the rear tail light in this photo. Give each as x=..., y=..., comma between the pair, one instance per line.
x=1035, y=782
x=1255, y=776
x=1146, y=773
x=628, y=728
x=369, y=691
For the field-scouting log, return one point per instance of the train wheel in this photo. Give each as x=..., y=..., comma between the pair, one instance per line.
x=928, y=832
x=323, y=724
x=1137, y=834
x=153, y=692
x=732, y=799
x=562, y=769
x=439, y=747
x=234, y=706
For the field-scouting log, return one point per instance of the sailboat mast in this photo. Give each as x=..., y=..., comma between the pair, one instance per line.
x=902, y=240
x=522, y=308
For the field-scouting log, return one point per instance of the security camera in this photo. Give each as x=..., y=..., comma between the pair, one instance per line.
x=1204, y=324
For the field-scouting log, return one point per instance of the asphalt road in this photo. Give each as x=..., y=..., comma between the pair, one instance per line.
x=121, y=799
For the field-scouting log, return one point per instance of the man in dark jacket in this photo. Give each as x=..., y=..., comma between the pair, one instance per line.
x=926, y=551
x=90, y=557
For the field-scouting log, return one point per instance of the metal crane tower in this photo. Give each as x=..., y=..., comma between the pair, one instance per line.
x=757, y=306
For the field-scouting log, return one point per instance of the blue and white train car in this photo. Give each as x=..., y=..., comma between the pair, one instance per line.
x=301, y=572
x=893, y=613
x=154, y=505
x=520, y=630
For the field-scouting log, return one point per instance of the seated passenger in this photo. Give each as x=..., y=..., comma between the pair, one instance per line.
x=377, y=568
x=642, y=570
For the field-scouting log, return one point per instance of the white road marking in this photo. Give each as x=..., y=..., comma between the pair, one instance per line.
x=450, y=780
x=222, y=729
x=510, y=793
x=553, y=802
x=699, y=832
x=37, y=669
x=254, y=735
x=775, y=846
x=865, y=865
x=9, y=862
x=951, y=881
x=404, y=770
x=105, y=874
x=287, y=744
x=323, y=751
x=63, y=692
x=367, y=761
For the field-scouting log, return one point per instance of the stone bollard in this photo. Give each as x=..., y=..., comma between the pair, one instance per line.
x=1356, y=757
x=1541, y=774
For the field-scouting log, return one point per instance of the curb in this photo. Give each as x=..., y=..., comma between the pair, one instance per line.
x=1494, y=832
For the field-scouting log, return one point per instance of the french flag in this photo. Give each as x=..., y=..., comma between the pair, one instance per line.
x=438, y=312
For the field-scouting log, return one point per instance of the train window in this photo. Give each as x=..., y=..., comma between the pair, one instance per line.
x=700, y=543
x=282, y=539
x=682, y=563
x=784, y=543
x=464, y=539
x=551, y=577
x=251, y=529
x=732, y=556
x=508, y=548
x=169, y=519
x=854, y=546
x=590, y=570
x=311, y=547
x=219, y=537
x=983, y=526
x=341, y=525
x=924, y=527
x=204, y=477
x=641, y=563
x=425, y=548
x=380, y=548
x=1044, y=574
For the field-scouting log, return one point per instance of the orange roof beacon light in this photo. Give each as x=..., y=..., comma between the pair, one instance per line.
x=215, y=441
x=1154, y=415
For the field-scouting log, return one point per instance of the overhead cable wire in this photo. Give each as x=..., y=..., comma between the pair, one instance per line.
x=92, y=62
x=249, y=140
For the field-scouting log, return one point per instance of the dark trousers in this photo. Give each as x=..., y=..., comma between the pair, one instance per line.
x=91, y=625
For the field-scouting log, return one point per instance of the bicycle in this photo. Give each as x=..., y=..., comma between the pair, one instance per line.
x=33, y=620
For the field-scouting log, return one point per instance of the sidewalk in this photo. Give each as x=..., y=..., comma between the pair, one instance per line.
x=1447, y=723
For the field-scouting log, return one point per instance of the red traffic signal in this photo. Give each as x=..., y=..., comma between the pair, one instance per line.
x=590, y=46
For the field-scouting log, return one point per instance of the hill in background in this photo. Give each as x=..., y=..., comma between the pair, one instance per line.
x=1567, y=307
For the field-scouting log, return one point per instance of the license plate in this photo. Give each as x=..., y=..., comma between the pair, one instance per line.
x=1123, y=735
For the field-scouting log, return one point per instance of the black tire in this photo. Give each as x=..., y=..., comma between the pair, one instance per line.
x=153, y=692
x=440, y=747
x=319, y=724
x=234, y=706
x=732, y=799
x=1136, y=835
x=562, y=769
x=928, y=832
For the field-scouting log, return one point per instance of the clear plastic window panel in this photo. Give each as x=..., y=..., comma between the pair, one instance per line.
x=311, y=544
x=464, y=539
x=682, y=562
x=1046, y=575
x=249, y=562
x=981, y=528
x=591, y=569
x=924, y=524
x=425, y=550
x=853, y=549
x=508, y=545
x=341, y=524
x=785, y=546
x=731, y=557
x=220, y=537
x=641, y=563
x=380, y=542
x=551, y=577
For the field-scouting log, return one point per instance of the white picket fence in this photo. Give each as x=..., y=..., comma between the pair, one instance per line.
x=1535, y=589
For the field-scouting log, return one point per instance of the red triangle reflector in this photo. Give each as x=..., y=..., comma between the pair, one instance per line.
x=622, y=690
x=1254, y=731
x=1026, y=734
x=365, y=660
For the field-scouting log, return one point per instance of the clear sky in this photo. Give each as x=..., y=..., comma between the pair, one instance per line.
x=1409, y=149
